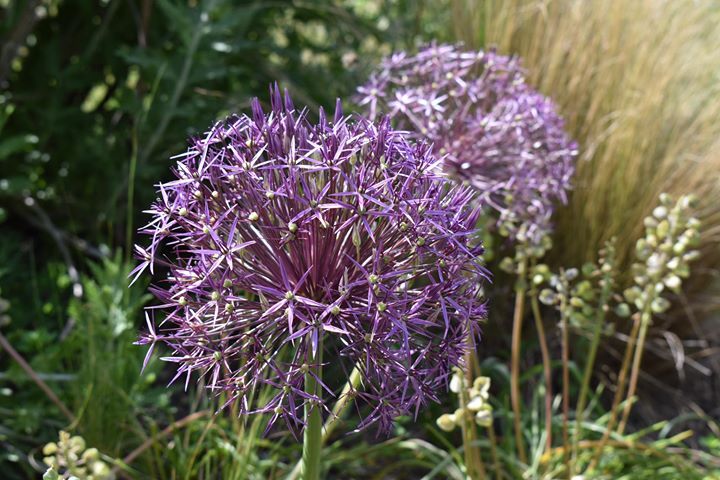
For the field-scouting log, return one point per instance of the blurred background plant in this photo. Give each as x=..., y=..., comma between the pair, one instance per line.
x=96, y=95
x=637, y=83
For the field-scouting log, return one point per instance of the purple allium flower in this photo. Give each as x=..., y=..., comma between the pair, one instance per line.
x=285, y=238
x=492, y=129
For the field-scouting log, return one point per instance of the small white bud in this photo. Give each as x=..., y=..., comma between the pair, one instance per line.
x=446, y=422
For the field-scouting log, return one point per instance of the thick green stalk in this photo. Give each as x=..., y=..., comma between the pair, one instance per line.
x=515, y=360
x=312, y=438
x=338, y=412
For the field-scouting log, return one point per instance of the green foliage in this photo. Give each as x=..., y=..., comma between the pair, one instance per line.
x=108, y=389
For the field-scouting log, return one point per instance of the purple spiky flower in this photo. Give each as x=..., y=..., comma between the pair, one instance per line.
x=287, y=240
x=493, y=130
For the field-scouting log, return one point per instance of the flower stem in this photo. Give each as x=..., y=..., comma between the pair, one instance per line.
x=338, y=412
x=635, y=371
x=341, y=406
x=312, y=438
x=620, y=389
x=547, y=368
x=515, y=359
x=473, y=461
x=494, y=453
x=565, y=391
x=589, y=367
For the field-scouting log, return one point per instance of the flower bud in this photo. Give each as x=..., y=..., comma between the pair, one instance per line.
x=547, y=296
x=50, y=448
x=484, y=418
x=660, y=305
x=456, y=383
x=446, y=422
x=660, y=212
x=622, y=310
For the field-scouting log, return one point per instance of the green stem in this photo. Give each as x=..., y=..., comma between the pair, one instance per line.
x=494, y=453
x=565, y=390
x=589, y=367
x=474, y=466
x=342, y=404
x=620, y=389
x=547, y=366
x=635, y=371
x=338, y=412
x=515, y=360
x=312, y=438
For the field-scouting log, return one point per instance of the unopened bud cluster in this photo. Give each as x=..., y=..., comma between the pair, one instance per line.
x=663, y=256
x=70, y=458
x=664, y=253
x=525, y=251
x=477, y=404
x=579, y=293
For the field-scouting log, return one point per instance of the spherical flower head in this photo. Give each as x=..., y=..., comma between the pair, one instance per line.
x=493, y=130
x=288, y=240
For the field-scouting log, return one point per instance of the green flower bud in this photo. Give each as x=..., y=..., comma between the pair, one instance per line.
x=484, y=417
x=659, y=305
x=673, y=282
x=507, y=265
x=547, y=296
x=446, y=422
x=77, y=443
x=650, y=222
x=632, y=294
x=476, y=403
x=660, y=212
x=456, y=383
x=622, y=310
x=50, y=448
